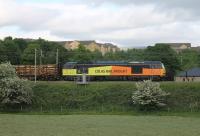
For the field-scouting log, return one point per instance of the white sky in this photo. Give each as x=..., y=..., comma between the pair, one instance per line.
x=128, y=23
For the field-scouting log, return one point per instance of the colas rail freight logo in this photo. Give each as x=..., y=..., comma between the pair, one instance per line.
x=110, y=70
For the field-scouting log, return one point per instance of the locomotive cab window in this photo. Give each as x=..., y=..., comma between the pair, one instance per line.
x=137, y=69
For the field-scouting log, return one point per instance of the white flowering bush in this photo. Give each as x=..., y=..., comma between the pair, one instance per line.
x=13, y=90
x=149, y=95
x=7, y=71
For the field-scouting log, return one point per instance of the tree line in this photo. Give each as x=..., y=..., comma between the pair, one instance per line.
x=22, y=51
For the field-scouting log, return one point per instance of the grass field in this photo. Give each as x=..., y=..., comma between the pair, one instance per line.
x=97, y=125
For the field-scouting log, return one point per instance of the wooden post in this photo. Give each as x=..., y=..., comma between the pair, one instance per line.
x=35, y=65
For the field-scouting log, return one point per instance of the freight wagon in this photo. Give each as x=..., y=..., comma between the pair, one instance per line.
x=43, y=72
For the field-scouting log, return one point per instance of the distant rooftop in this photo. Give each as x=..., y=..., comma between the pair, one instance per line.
x=194, y=72
x=177, y=44
x=86, y=42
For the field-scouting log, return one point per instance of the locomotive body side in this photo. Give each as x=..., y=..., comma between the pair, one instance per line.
x=134, y=70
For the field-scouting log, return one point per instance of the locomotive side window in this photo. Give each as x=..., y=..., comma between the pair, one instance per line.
x=82, y=69
x=137, y=69
x=156, y=66
x=146, y=66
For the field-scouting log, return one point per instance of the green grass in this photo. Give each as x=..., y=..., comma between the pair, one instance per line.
x=105, y=97
x=97, y=125
x=112, y=96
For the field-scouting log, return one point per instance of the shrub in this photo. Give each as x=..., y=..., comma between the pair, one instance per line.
x=7, y=71
x=149, y=96
x=13, y=90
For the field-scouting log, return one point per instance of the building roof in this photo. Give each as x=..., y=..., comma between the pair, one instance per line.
x=194, y=72
x=86, y=42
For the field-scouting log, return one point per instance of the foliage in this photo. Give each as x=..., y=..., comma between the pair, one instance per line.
x=114, y=97
x=13, y=90
x=149, y=95
x=7, y=71
x=12, y=51
x=165, y=54
x=3, y=55
x=21, y=43
x=74, y=97
x=134, y=54
x=21, y=51
x=189, y=59
x=129, y=55
x=28, y=56
x=82, y=55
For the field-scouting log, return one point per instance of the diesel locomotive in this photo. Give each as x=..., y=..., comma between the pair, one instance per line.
x=115, y=70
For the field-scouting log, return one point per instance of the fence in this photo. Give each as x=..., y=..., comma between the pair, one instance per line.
x=63, y=109
x=98, y=110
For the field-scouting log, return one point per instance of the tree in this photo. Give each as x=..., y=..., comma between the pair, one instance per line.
x=198, y=59
x=21, y=43
x=129, y=55
x=47, y=51
x=81, y=55
x=189, y=59
x=3, y=55
x=163, y=53
x=149, y=95
x=96, y=55
x=13, y=90
x=135, y=54
x=28, y=56
x=111, y=56
x=12, y=51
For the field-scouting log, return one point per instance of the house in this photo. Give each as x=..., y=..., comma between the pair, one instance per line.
x=92, y=46
x=178, y=47
x=191, y=75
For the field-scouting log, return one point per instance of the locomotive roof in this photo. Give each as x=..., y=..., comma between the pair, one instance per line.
x=110, y=62
x=147, y=62
x=117, y=62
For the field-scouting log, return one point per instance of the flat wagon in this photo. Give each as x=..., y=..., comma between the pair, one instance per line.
x=43, y=72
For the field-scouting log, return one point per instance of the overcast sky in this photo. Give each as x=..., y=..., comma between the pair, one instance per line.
x=127, y=23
